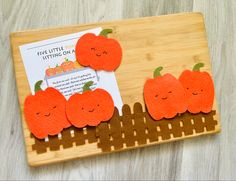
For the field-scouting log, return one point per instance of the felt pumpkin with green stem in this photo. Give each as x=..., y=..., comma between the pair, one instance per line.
x=99, y=52
x=90, y=107
x=45, y=112
x=199, y=89
x=164, y=96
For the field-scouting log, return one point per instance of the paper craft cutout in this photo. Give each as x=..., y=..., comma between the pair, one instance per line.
x=45, y=112
x=199, y=89
x=90, y=107
x=99, y=52
x=164, y=96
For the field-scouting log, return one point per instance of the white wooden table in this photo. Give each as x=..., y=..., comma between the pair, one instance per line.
x=208, y=157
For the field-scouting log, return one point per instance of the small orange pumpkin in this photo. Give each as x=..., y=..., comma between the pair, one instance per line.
x=164, y=96
x=45, y=112
x=58, y=69
x=50, y=71
x=90, y=107
x=67, y=65
x=99, y=52
x=199, y=88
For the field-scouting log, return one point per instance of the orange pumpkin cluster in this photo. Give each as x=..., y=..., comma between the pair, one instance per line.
x=165, y=96
x=48, y=113
x=66, y=66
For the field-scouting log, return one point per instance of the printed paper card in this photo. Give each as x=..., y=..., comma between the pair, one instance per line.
x=54, y=62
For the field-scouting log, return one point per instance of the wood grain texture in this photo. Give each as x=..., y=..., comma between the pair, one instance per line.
x=176, y=42
x=211, y=157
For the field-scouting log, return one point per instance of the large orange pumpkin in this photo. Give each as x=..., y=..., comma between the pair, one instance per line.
x=90, y=107
x=99, y=52
x=164, y=96
x=45, y=112
x=199, y=88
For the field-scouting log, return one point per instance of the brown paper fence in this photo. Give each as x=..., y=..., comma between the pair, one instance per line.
x=129, y=130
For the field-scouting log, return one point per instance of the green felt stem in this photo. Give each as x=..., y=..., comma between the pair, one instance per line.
x=66, y=59
x=198, y=66
x=105, y=32
x=37, y=86
x=157, y=72
x=87, y=85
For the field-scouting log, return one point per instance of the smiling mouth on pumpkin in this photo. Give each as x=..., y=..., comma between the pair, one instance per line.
x=164, y=98
x=195, y=93
x=47, y=114
x=91, y=110
x=98, y=55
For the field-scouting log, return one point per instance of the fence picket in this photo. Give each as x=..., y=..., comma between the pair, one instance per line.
x=128, y=128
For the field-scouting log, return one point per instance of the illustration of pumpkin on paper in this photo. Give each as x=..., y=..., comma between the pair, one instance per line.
x=164, y=96
x=58, y=69
x=50, y=71
x=45, y=112
x=90, y=107
x=99, y=52
x=199, y=89
x=67, y=65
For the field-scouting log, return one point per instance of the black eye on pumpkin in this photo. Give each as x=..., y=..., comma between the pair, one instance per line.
x=37, y=113
x=104, y=52
x=93, y=49
x=82, y=108
x=156, y=96
x=170, y=92
x=98, y=105
x=201, y=90
x=187, y=88
x=54, y=107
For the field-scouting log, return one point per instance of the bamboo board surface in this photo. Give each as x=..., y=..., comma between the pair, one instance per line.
x=175, y=42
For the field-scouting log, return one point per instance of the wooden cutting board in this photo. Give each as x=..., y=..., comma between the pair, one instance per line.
x=175, y=42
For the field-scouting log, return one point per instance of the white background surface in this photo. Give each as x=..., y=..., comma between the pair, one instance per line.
x=34, y=63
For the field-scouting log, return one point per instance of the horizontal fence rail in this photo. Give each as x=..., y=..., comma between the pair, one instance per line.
x=129, y=130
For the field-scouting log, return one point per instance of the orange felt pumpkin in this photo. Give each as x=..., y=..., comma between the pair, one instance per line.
x=45, y=112
x=58, y=69
x=50, y=71
x=99, y=52
x=67, y=65
x=164, y=96
x=199, y=88
x=90, y=107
